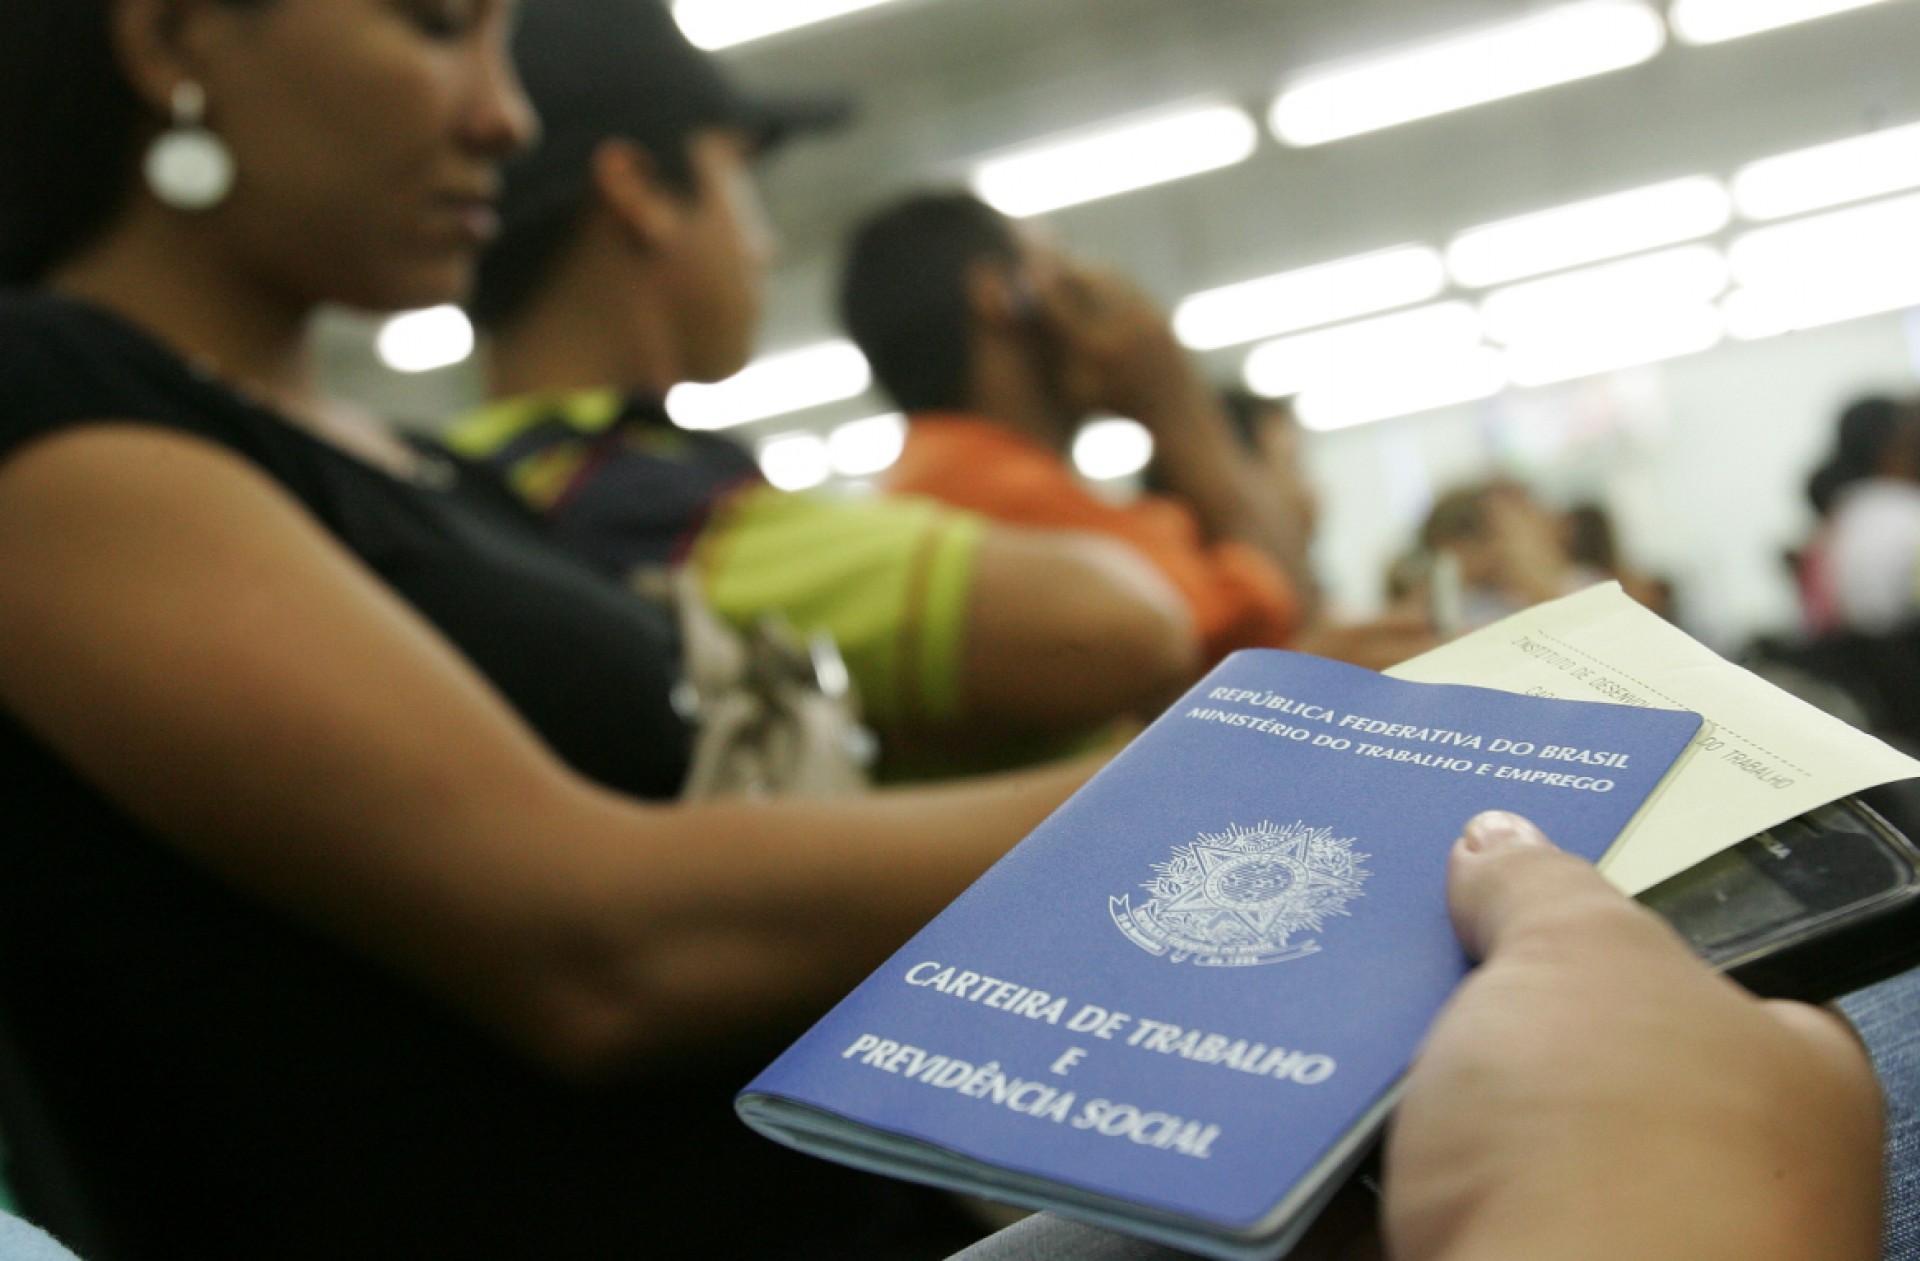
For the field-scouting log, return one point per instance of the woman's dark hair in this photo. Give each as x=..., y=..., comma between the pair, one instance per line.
x=903, y=293
x=70, y=132
x=1245, y=410
x=1460, y=515
x=1590, y=538
x=1861, y=438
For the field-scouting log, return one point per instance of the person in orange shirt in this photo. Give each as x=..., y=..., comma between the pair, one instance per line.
x=998, y=346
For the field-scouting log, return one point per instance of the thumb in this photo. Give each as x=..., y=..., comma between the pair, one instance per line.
x=1506, y=882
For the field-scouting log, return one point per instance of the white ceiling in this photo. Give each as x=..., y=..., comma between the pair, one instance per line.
x=941, y=82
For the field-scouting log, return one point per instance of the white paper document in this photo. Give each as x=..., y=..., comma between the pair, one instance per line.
x=1762, y=757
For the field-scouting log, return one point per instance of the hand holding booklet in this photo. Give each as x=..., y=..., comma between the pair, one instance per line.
x=1180, y=1007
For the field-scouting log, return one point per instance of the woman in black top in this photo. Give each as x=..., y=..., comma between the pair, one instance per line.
x=328, y=873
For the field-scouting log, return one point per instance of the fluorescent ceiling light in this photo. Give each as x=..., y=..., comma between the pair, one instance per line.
x=1590, y=349
x=1710, y=21
x=1588, y=231
x=1605, y=297
x=1476, y=373
x=1849, y=242
x=861, y=448
x=1838, y=266
x=1384, y=347
x=1559, y=45
x=1086, y=166
x=420, y=341
x=1107, y=449
x=1830, y=174
x=714, y=24
x=795, y=461
x=1394, y=365
x=1300, y=299
x=773, y=386
x=1757, y=313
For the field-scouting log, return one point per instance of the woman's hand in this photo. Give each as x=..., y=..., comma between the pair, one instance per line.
x=1594, y=1091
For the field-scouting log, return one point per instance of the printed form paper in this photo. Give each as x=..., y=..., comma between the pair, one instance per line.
x=1762, y=757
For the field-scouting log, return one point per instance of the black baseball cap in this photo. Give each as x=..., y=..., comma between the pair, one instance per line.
x=595, y=69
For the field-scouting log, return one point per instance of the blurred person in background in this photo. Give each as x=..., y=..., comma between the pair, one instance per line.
x=1857, y=654
x=1504, y=549
x=1592, y=545
x=345, y=908
x=1861, y=570
x=1269, y=434
x=1270, y=428
x=631, y=260
x=999, y=346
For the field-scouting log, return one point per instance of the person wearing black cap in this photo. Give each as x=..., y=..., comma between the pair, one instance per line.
x=604, y=69
x=630, y=260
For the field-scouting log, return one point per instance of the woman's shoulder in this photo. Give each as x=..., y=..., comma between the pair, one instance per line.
x=33, y=320
x=63, y=363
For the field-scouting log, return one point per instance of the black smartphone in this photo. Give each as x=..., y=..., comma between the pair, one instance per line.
x=1820, y=906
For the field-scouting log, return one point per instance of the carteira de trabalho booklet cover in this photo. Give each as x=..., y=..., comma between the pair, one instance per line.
x=1179, y=1008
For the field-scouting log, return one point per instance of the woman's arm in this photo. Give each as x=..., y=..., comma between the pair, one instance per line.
x=195, y=645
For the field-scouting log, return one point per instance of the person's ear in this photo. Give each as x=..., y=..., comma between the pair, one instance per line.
x=627, y=180
x=160, y=44
x=995, y=298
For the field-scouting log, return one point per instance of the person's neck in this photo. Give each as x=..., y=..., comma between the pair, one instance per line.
x=567, y=343
x=1005, y=392
x=162, y=277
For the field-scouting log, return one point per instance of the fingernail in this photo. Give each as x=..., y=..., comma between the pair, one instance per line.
x=1496, y=830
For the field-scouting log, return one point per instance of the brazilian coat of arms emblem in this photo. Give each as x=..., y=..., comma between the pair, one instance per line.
x=1244, y=896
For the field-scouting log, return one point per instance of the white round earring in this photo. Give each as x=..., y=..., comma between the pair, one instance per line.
x=188, y=167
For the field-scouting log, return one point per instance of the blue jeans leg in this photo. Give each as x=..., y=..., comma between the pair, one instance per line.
x=1888, y=1018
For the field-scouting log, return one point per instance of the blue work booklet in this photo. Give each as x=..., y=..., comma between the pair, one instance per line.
x=1180, y=1008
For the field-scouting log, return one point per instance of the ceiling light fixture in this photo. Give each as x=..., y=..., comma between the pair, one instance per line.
x=1592, y=348
x=1830, y=174
x=1602, y=299
x=1756, y=313
x=1711, y=21
x=1588, y=231
x=1558, y=45
x=1349, y=353
x=1309, y=296
x=773, y=386
x=1821, y=270
x=1086, y=166
x=861, y=448
x=1111, y=448
x=717, y=24
x=1475, y=374
x=795, y=461
x=420, y=341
